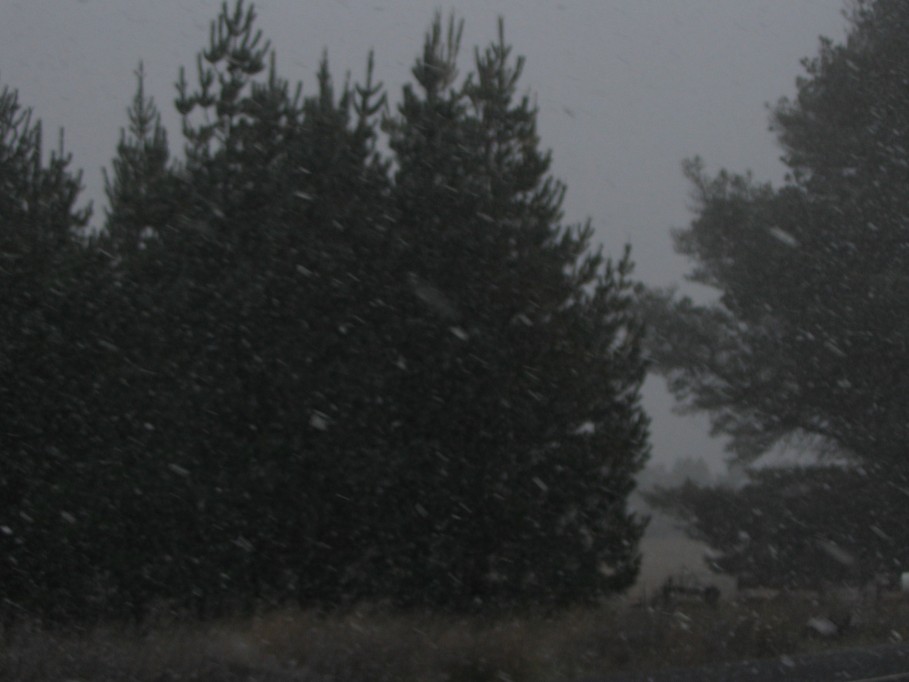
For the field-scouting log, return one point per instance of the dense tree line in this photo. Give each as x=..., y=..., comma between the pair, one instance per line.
x=293, y=368
x=806, y=346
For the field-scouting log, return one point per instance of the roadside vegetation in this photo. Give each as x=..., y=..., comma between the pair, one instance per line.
x=379, y=644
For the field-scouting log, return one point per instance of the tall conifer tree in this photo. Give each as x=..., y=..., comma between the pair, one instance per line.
x=140, y=192
x=43, y=420
x=805, y=346
x=522, y=355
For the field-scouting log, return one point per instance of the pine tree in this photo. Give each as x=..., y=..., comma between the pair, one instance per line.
x=806, y=345
x=520, y=359
x=37, y=205
x=268, y=266
x=806, y=342
x=296, y=369
x=140, y=194
x=42, y=417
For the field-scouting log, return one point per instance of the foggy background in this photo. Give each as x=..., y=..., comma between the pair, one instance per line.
x=626, y=90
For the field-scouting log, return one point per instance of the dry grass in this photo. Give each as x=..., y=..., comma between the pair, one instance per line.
x=374, y=644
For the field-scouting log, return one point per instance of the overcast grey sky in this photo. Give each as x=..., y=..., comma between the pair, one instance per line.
x=626, y=89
